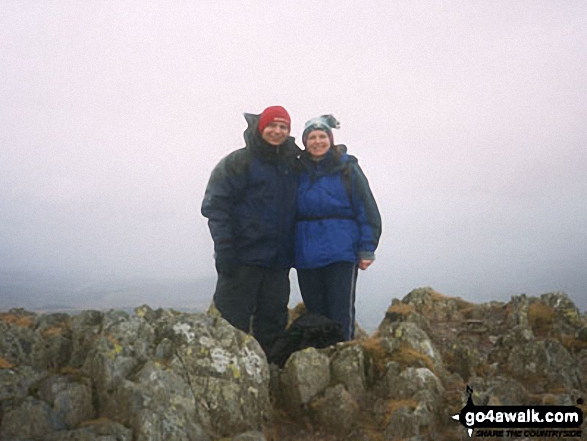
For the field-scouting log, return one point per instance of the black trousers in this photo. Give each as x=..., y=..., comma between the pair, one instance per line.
x=330, y=291
x=254, y=299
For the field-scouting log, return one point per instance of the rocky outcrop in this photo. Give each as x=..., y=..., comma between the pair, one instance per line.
x=153, y=375
x=165, y=375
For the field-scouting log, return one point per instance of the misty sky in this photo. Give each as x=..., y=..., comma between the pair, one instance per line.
x=468, y=117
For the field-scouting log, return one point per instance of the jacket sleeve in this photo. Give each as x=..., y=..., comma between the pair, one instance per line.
x=225, y=187
x=367, y=214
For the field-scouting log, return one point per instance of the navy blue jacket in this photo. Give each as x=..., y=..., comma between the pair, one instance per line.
x=250, y=201
x=337, y=216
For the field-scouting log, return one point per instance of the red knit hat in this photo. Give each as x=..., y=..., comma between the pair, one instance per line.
x=273, y=114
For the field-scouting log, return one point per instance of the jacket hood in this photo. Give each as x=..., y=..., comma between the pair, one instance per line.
x=258, y=145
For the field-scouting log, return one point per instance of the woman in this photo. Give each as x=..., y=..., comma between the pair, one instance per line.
x=337, y=225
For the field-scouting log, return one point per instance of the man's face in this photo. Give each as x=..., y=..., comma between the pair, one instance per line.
x=275, y=133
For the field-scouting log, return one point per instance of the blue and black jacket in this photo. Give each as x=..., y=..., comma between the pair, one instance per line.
x=337, y=216
x=250, y=201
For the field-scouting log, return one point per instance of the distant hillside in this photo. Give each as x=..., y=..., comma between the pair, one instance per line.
x=50, y=293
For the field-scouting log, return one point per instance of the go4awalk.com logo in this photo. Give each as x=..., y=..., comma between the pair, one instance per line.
x=518, y=421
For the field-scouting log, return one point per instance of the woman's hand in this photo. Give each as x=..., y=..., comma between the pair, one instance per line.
x=364, y=264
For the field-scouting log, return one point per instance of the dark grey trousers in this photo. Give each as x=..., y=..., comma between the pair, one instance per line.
x=254, y=299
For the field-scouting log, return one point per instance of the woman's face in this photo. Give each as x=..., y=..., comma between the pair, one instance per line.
x=318, y=143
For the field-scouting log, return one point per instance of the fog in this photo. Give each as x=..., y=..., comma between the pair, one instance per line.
x=468, y=119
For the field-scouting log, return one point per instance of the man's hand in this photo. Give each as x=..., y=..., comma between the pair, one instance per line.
x=364, y=264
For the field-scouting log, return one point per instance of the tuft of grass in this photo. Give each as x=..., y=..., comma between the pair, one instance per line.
x=394, y=405
x=402, y=309
x=573, y=344
x=541, y=319
x=375, y=353
x=408, y=357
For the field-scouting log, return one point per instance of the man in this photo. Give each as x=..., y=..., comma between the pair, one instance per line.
x=250, y=204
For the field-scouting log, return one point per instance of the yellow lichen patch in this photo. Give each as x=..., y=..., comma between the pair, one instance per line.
x=541, y=318
x=236, y=373
x=5, y=364
x=116, y=347
x=409, y=357
x=23, y=321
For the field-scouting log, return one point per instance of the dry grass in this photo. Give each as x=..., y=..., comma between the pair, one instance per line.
x=394, y=405
x=23, y=321
x=408, y=357
x=573, y=344
x=375, y=353
x=5, y=364
x=68, y=370
x=101, y=420
x=541, y=319
x=402, y=309
x=53, y=331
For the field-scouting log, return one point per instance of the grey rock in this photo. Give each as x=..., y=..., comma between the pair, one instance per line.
x=335, y=412
x=56, y=339
x=20, y=344
x=544, y=365
x=253, y=435
x=499, y=391
x=409, y=335
x=402, y=424
x=566, y=310
x=71, y=400
x=32, y=419
x=226, y=369
x=94, y=431
x=16, y=383
x=305, y=375
x=347, y=367
x=156, y=404
x=85, y=330
x=413, y=380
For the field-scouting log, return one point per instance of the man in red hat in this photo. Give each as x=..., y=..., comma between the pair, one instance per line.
x=250, y=203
